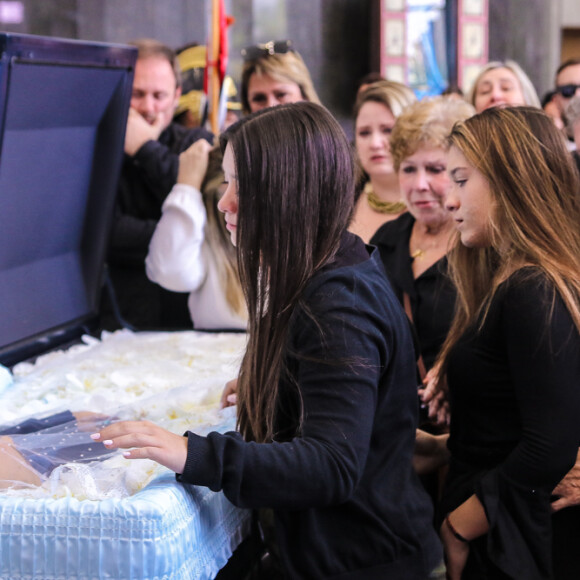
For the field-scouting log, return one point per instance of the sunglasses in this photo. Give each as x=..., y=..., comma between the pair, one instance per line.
x=261, y=50
x=567, y=91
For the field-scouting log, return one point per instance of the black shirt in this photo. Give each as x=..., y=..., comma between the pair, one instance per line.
x=432, y=294
x=346, y=500
x=515, y=404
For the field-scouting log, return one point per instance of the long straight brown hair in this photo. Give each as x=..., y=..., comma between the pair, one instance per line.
x=535, y=190
x=295, y=178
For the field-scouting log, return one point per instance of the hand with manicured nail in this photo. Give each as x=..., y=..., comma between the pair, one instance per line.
x=146, y=441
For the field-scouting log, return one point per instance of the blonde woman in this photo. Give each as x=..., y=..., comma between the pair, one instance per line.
x=274, y=74
x=190, y=249
x=502, y=84
x=375, y=112
x=413, y=247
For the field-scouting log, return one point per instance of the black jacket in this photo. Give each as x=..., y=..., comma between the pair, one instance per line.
x=146, y=180
x=346, y=500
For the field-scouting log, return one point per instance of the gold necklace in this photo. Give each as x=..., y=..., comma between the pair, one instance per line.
x=420, y=253
x=380, y=206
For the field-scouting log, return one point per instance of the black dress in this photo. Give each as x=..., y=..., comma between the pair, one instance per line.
x=432, y=294
x=515, y=429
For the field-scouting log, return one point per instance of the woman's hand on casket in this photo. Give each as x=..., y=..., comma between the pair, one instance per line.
x=145, y=440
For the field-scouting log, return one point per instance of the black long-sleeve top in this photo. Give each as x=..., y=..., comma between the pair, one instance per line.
x=515, y=429
x=346, y=500
x=432, y=295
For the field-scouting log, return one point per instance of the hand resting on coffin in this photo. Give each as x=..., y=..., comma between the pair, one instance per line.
x=149, y=441
x=145, y=441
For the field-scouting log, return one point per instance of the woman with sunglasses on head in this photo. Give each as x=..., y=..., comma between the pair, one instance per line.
x=512, y=356
x=375, y=112
x=274, y=74
x=502, y=84
x=326, y=398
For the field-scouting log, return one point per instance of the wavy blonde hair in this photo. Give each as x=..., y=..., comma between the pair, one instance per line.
x=528, y=91
x=426, y=123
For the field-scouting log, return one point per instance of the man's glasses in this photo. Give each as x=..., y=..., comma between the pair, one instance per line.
x=270, y=48
x=567, y=91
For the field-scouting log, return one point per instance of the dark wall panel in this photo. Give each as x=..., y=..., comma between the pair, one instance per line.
x=522, y=31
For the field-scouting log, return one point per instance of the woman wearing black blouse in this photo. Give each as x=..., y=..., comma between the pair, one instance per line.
x=326, y=392
x=413, y=247
x=512, y=357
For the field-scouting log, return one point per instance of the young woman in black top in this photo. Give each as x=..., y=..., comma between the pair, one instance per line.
x=327, y=390
x=512, y=357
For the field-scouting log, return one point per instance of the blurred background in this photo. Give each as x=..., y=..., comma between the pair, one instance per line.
x=425, y=43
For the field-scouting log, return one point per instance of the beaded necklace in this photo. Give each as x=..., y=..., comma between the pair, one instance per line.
x=380, y=206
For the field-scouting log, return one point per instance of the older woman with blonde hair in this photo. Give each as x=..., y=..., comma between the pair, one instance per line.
x=413, y=247
x=502, y=83
x=375, y=112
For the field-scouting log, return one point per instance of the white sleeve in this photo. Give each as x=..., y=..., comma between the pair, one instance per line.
x=175, y=260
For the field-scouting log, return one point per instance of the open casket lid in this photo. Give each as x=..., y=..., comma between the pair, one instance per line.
x=63, y=113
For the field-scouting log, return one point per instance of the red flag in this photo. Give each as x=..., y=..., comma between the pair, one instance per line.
x=217, y=59
x=225, y=21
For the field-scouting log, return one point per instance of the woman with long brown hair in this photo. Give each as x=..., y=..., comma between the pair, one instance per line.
x=326, y=391
x=512, y=356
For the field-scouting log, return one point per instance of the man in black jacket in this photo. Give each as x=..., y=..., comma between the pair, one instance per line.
x=152, y=147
